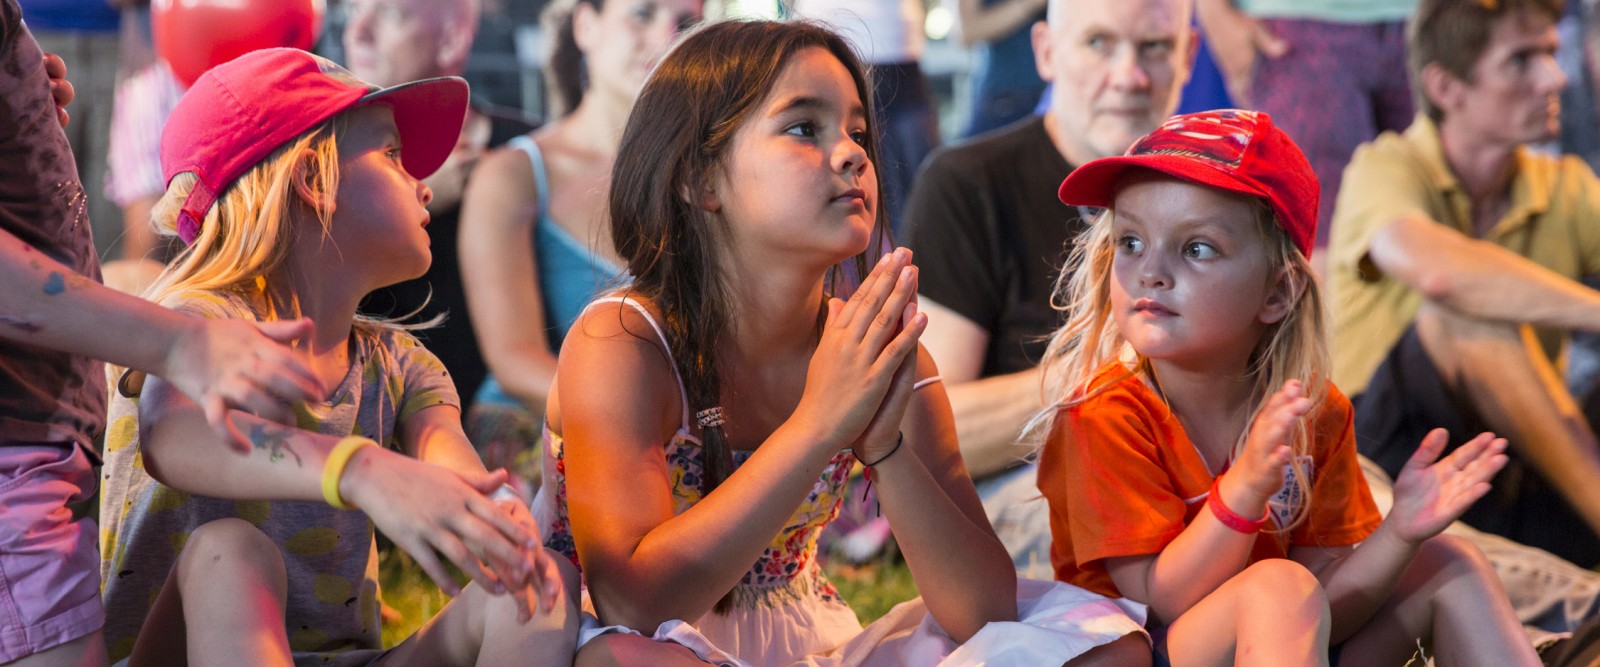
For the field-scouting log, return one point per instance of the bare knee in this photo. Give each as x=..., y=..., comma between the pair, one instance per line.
x=492, y=614
x=1453, y=556
x=226, y=547
x=1292, y=587
x=624, y=650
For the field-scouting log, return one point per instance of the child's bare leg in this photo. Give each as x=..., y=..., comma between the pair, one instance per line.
x=620, y=650
x=1129, y=651
x=1450, y=598
x=478, y=628
x=223, y=599
x=1272, y=613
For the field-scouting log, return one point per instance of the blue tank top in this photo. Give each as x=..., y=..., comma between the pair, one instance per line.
x=570, y=273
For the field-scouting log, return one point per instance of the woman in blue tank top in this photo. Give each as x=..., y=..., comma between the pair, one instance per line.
x=534, y=245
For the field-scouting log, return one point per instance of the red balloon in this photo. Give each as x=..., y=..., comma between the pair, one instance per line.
x=196, y=35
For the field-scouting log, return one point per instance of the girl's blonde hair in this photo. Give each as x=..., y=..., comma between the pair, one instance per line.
x=1294, y=348
x=248, y=232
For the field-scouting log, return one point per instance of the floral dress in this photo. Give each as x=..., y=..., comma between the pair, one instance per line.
x=785, y=611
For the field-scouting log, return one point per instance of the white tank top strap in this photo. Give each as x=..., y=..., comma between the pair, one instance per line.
x=683, y=394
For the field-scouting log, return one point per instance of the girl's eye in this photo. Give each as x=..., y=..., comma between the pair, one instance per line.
x=1198, y=250
x=860, y=137
x=802, y=129
x=1130, y=245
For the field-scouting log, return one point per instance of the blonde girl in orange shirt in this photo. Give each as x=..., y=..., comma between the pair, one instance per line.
x=1194, y=288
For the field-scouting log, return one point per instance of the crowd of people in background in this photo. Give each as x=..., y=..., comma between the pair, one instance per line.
x=1213, y=331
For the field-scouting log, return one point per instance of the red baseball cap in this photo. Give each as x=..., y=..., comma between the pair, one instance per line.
x=1228, y=149
x=238, y=112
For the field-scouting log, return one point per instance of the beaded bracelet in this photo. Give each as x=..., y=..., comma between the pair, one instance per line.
x=1227, y=516
x=333, y=468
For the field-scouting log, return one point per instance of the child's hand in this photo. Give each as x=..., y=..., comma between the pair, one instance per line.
x=234, y=364
x=60, y=88
x=539, y=587
x=862, y=347
x=1258, y=471
x=429, y=510
x=1428, y=495
x=883, y=433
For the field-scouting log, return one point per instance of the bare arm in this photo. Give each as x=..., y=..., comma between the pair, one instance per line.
x=501, y=279
x=1236, y=39
x=419, y=506
x=989, y=412
x=1480, y=279
x=1428, y=496
x=977, y=23
x=646, y=565
x=224, y=363
x=931, y=504
x=1208, y=552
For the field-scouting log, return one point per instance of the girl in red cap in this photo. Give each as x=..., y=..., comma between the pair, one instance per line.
x=704, y=419
x=296, y=189
x=1200, y=462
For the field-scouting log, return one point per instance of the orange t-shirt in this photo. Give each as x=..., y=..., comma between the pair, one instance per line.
x=1123, y=479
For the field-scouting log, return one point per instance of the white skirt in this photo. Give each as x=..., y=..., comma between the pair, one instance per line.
x=1056, y=622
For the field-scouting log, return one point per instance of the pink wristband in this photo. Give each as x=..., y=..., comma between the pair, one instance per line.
x=1220, y=510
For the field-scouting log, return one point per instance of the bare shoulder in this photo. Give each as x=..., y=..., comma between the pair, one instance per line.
x=614, y=367
x=502, y=177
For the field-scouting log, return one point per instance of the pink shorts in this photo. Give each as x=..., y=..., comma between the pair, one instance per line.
x=49, y=568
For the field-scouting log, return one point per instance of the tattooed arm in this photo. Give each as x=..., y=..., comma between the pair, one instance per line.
x=223, y=363
x=427, y=509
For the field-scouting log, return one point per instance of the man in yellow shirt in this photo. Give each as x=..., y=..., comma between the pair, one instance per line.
x=1453, y=263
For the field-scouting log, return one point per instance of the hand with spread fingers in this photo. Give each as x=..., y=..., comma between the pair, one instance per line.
x=1431, y=492
x=235, y=364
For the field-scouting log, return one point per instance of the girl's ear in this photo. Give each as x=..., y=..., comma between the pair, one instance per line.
x=706, y=197
x=1287, y=287
x=308, y=187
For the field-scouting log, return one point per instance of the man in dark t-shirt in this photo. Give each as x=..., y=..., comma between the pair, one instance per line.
x=991, y=237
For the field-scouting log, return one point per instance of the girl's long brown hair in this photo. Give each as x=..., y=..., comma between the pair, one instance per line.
x=677, y=137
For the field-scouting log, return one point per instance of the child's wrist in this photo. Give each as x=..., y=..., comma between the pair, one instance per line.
x=340, y=469
x=1235, y=508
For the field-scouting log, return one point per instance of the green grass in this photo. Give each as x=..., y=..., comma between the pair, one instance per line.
x=871, y=589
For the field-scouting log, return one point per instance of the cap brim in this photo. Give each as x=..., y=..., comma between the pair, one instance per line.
x=428, y=114
x=1094, y=184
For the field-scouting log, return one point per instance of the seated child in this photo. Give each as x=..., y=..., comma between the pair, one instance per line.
x=704, y=420
x=1200, y=462
x=288, y=183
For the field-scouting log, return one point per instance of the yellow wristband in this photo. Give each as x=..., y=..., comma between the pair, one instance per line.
x=333, y=468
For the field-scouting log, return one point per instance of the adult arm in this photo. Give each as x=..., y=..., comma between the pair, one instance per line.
x=223, y=363
x=501, y=279
x=977, y=22
x=1478, y=278
x=1236, y=40
x=989, y=412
